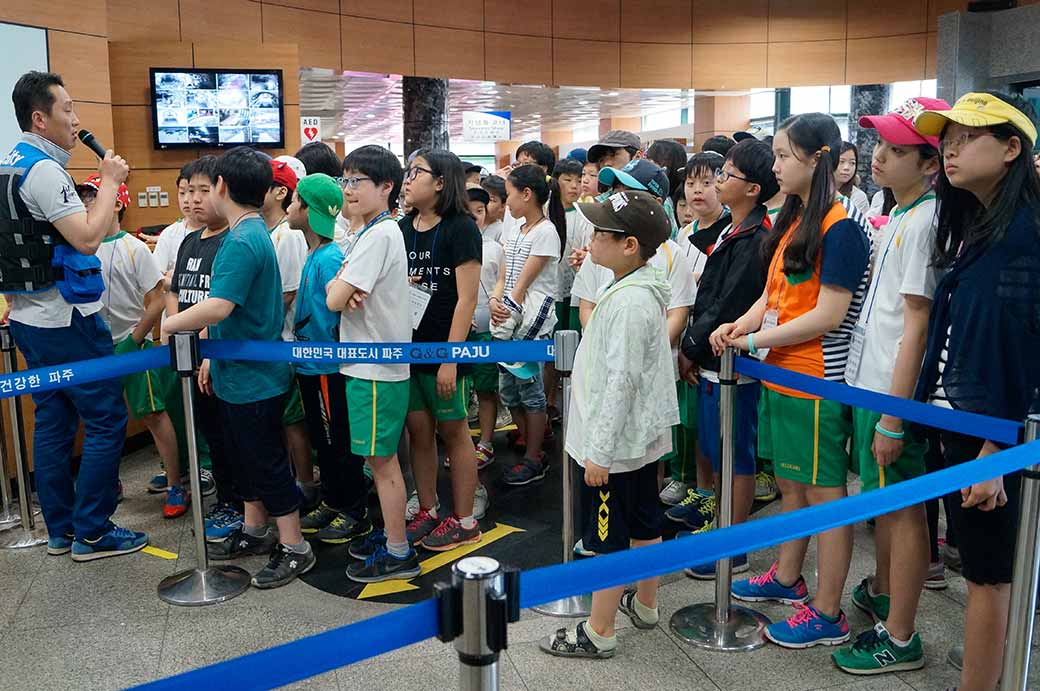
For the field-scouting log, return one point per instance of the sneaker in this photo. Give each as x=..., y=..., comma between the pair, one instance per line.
x=224, y=525
x=473, y=410
x=241, y=544
x=364, y=547
x=765, y=487
x=343, y=529
x=115, y=542
x=421, y=526
x=875, y=653
x=955, y=657
x=284, y=566
x=206, y=482
x=119, y=492
x=480, y=502
x=504, y=418
x=674, y=493
x=706, y=572
x=177, y=500
x=574, y=643
x=695, y=511
x=215, y=512
x=383, y=566
x=411, y=510
x=628, y=608
x=554, y=415
x=158, y=484
x=581, y=551
x=936, y=579
x=874, y=605
x=485, y=455
x=525, y=472
x=450, y=534
x=317, y=519
x=765, y=588
x=807, y=628
x=58, y=545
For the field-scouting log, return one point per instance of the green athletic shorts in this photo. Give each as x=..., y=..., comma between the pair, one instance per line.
x=377, y=410
x=909, y=465
x=423, y=396
x=146, y=392
x=293, y=405
x=484, y=375
x=681, y=459
x=805, y=438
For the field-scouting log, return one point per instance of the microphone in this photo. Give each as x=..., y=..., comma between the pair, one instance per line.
x=91, y=143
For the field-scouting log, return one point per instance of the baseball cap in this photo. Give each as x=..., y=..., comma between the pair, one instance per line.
x=93, y=182
x=640, y=174
x=324, y=198
x=741, y=136
x=632, y=212
x=579, y=154
x=294, y=163
x=614, y=139
x=975, y=110
x=897, y=127
x=283, y=174
x=477, y=193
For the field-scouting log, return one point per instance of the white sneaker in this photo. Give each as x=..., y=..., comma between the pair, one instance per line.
x=674, y=493
x=579, y=549
x=412, y=509
x=480, y=502
x=765, y=487
x=504, y=418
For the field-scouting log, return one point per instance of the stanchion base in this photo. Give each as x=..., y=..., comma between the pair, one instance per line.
x=574, y=606
x=22, y=539
x=744, y=631
x=194, y=588
x=9, y=518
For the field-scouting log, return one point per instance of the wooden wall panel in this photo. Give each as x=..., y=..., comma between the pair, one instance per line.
x=82, y=61
x=656, y=65
x=133, y=20
x=656, y=21
x=887, y=18
x=449, y=53
x=253, y=56
x=96, y=117
x=460, y=14
x=932, y=55
x=389, y=10
x=730, y=21
x=503, y=63
x=805, y=63
x=207, y=21
x=586, y=63
x=137, y=182
x=315, y=33
x=133, y=140
x=887, y=59
x=729, y=66
x=806, y=20
x=79, y=17
x=533, y=17
x=376, y=46
x=577, y=20
x=129, y=62
x=331, y=6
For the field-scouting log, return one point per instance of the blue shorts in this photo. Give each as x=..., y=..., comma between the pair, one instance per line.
x=745, y=425
x=528, y=394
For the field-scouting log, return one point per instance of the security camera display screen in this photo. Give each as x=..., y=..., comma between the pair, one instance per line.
x=217, y=108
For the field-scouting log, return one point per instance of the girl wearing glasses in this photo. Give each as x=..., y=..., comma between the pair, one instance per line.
x=984, y=324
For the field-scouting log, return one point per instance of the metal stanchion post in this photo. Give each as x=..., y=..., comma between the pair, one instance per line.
x=566, y=345
x=29, y=534
x=1018, y=645
x=9, y=512
x=205, y=584
x=720, y=625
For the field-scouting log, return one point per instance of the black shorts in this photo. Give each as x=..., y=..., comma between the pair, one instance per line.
x=627, y=508
x=986, y=538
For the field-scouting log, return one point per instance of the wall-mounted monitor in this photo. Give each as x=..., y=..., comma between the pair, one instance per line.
x=206, y=108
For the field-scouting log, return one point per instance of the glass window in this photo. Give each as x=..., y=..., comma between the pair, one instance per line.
x=585, y=133
x=810, y=99
x=662, y=120
x=901, y=91
x=841, y=99
x=763, y=103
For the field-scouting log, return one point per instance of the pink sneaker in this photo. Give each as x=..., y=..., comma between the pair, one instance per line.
x=485, y=455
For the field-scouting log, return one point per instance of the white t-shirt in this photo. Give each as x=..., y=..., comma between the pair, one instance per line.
x=341, y=235
x=877, y=204
x=290, y=247
x=493, y=255
x=859, y=200
x=902, y=267
x=493, y=231
x=540, y=241
x=130, y=271
x=169, y=242
x=378, y=265
x=696, y=258
x=579, y=233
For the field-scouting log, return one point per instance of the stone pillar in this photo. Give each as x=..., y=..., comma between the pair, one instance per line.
x=425, y=104
x=867, y=99
x=963, y=60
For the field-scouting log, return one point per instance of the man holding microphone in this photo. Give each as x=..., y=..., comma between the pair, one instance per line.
x=53, y=285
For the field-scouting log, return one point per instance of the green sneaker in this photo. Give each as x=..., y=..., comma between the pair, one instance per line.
x=875, y=653
x=874, y=605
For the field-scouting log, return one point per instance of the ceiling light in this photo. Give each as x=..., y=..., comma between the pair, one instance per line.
x=612, y=93
x=370, y=115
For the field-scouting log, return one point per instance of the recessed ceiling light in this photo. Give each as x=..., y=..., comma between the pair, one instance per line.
x=612, y=93
x=370, y=115
x=582, y=103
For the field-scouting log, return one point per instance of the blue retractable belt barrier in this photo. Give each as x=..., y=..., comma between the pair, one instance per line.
x=382, y=353
x=972, y=424
x=82, y=372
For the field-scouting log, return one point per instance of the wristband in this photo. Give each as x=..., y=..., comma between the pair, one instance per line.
x=888, y=433
x=751, y=344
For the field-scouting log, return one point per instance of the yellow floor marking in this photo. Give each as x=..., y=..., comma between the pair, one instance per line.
x=508, y=428
x=436, y=561
x=161, y=553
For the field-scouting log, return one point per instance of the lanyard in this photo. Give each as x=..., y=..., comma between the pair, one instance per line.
x=374, y=221
x=433, y=249
x=899, y=214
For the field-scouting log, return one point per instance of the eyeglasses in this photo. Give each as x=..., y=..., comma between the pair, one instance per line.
x=724, y=175
x=958, y=142
x=352, y=183
x=414, y=171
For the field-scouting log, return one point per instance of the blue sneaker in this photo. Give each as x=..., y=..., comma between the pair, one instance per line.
x=706, y=572
x=158, y=484
x=115, y=542
x=765, y=588
x=224, y=525
x=215, y=512
x=808, y=627
x=177, y=500
x=696, y=511
x=365, y=547
x=58, y=545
